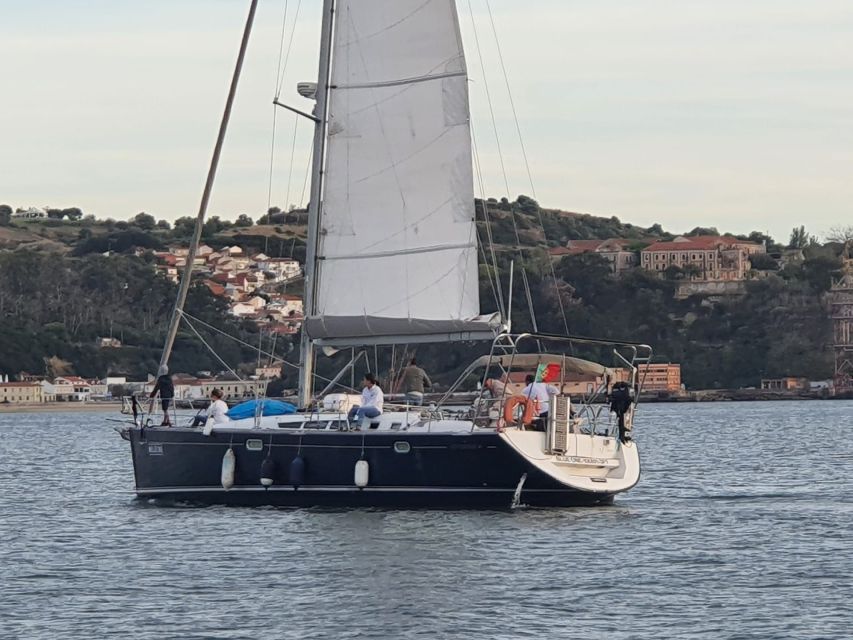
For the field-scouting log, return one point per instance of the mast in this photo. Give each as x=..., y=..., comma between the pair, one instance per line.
x=186, y=277
x=306, y=371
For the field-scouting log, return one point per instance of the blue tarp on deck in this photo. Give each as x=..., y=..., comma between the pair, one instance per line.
x=269, y=407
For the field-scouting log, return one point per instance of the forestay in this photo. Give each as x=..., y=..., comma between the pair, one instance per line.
x=397, y=254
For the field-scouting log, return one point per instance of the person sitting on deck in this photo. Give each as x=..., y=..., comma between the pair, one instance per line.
x=166, y=388
x=217, y=410
x=495, y=387
x=372, y=400
x=540, y=392
x=415, y=380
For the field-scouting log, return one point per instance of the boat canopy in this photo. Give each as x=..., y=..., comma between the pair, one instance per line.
x=570, y=364
x=380, y=330
x=397, y=244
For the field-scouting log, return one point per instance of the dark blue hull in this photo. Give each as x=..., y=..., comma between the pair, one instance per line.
x=406, y=470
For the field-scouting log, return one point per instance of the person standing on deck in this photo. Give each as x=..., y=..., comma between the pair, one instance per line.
x=372, y=401
x=166, y=388
x=415, y=380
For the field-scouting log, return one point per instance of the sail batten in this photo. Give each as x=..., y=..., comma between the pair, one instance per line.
x=397, y=250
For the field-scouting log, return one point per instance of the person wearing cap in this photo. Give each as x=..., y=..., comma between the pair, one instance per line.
x=166, y=389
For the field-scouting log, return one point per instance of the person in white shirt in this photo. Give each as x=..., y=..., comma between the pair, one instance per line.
x=217, y=410
x=540, y=391
x=372, y=400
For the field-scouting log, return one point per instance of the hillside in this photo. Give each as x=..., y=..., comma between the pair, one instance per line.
x=59, y=293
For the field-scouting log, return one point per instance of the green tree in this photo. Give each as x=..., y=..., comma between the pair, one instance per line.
x=702, y=231
x=72, y=213
x=527, y=205
x=144, y=221
x=800, y=238
x=243, y=221
x=763, y=262
x=184, y=226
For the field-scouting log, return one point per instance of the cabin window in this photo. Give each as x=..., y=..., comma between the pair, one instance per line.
x=314, y=424
x=254, y=444
x=402, y=447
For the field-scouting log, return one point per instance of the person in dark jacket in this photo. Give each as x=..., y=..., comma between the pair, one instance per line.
x=166, y=388
x=415, y=380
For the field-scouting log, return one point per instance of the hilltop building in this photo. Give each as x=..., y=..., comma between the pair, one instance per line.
x=710, y=258
x=614, y=250
x=251, y=284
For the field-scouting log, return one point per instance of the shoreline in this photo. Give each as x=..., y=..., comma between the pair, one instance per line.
x=703, y=397
x=63, y=407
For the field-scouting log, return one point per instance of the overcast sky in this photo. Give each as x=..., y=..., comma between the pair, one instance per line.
x=735, y=114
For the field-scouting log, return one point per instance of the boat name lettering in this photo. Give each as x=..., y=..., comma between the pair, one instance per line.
x=581, y=460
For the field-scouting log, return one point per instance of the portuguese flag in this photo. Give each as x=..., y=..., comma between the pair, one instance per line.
x=547, y=372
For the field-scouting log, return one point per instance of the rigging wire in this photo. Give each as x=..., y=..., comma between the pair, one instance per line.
x=204, y=342
x=292, y=154
x=281, y=70
x=251, y=346
x=307, y=175
x=489, y=269
x=524, y=277
x=526, y=161
x=278, y=75
x=494, y=275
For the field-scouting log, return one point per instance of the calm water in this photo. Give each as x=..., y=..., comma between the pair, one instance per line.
x=740, y=528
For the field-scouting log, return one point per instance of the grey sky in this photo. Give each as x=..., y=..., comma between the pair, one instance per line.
x=730, y=114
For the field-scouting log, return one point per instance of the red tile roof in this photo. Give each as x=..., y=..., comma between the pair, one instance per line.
x=575, y=247
x=583, y=246
x=215, y=288
x=697, y=243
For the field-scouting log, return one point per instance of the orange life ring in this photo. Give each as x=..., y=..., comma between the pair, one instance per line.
x=530, y=409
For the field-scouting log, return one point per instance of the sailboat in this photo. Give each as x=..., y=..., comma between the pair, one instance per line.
x=392, y=259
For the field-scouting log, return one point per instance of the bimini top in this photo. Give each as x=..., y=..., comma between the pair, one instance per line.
x=533, y=360
x=356, y=330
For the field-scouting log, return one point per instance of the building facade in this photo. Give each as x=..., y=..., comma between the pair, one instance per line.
x=21, y=393
x=614, y=250
x=710, y=258
x=660, y=378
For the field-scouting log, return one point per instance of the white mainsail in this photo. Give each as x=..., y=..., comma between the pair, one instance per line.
x=397, y=246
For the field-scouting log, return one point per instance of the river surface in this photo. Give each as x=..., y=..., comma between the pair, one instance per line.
x=741, y=527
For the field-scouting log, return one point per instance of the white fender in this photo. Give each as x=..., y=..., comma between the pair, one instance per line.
x=362, y=473
x=229, y=464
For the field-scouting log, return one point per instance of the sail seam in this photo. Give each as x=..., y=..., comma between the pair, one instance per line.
x=404, y=252
x=396, y=83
